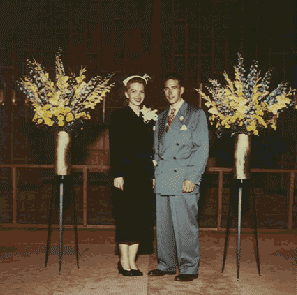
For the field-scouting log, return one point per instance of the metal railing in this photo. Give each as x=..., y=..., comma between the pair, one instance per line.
x=104, y=168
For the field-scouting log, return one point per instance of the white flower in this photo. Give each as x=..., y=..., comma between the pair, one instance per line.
x=148, y=114
x=181, y=118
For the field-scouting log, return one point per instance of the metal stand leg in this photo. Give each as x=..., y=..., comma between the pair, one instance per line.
x=239, y=227
x=62, y=182
x=255, y=232
x=254, y=219
x=75, y=228
x=229, y=219
x=50, y=221
x=61, y=196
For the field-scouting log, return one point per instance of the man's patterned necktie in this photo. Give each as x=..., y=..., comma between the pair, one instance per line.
x=170, y=118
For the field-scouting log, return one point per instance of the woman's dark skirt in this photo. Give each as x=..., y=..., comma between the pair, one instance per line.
x=134, y=213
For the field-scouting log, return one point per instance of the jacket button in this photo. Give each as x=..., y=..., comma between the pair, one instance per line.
x=174, y=158
x=162, y=158
x=177, y=144
x=175, y=170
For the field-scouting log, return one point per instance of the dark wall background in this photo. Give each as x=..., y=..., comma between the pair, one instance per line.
x=200, y=39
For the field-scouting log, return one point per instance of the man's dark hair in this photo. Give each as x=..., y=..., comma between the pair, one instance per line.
x=175, y=76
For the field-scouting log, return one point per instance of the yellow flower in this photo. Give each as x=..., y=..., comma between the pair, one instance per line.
x=48, y=114
x=40, y=121
x=251, y=127
x=69, y=117
x=80, y=79
x=36, y=116
x=242, y=109
x=67, y=110
x=274, y=108
x=48, y=122
x=259, y=112
x=60, y=109
x=61, y=123
x=230, y=84
x=55, y=99
x=33, y=87
x=233, y=119
x=39, y=111
x=255, y=96
x=256, y=132
x=208, y=104
x=213, y=111
x=55, y=111
x=228, y=118
x=237, y=77
x=91, y=98
x=61, y=81
x=227, y=92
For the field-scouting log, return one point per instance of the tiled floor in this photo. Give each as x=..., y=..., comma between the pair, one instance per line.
x=23, y=272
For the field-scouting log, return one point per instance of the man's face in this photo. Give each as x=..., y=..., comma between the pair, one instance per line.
x=135, y=94
x=173, y=91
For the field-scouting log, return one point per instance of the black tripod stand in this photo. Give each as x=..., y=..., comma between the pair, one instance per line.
x=242, y=186
x=65, y=190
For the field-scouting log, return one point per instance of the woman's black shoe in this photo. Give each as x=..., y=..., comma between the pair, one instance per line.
x=136, y=273
x=124, y=272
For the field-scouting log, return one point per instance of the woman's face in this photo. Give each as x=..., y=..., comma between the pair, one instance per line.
x=135, y=94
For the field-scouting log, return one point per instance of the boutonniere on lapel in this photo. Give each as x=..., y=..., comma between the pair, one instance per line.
x=181, y=118
x=148, y=114
x=184, y=127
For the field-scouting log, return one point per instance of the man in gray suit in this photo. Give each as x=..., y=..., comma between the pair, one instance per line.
x=181, y=151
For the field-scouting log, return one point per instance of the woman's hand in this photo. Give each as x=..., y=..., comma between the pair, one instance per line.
x=119, y=183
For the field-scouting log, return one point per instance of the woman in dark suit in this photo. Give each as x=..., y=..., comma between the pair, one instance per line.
x=131, y=153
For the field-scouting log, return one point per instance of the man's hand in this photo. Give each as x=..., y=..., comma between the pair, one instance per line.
x=188, y=186
x=154, y=182
x=119, y=183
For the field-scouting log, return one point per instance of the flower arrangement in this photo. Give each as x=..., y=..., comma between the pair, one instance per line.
x=64, y=103
x=149, y=115
x=246, y=105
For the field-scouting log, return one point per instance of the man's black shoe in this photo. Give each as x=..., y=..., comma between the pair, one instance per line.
x=186, y=277
x=159, y=273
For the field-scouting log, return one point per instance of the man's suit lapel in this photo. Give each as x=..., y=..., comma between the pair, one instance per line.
x=182, y=112
x=187, y=115
x=162, y=124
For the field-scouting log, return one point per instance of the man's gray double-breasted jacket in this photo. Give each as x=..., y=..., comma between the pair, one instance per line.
x=182, y=152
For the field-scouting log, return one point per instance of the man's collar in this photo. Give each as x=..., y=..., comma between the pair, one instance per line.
x=179, y=104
